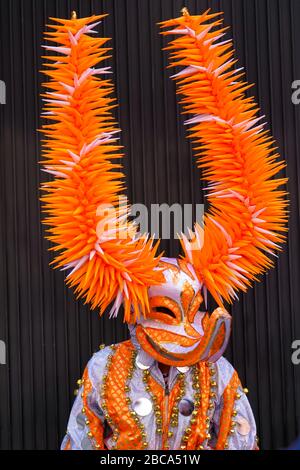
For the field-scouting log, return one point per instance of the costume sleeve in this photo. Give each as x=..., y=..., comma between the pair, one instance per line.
x=234, y=425
x=86, y=423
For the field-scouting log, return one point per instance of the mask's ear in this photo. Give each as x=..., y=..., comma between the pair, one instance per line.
x=217, y=330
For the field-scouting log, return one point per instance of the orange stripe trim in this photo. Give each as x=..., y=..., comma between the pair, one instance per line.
x=117, y=401
x=200, y=432
x=68, y=445
x=94, y=423
x=229, y=397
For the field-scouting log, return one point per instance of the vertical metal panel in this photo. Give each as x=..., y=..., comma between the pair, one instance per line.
x=49, y=335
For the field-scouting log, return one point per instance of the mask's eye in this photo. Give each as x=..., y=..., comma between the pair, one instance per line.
x=165, y=310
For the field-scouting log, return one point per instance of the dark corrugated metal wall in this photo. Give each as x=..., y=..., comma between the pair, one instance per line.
x=49, y=335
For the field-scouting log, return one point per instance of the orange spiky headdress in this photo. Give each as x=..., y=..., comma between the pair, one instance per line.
x=90, y=228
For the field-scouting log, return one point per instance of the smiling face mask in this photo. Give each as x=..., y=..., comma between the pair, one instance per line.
x=176, y=331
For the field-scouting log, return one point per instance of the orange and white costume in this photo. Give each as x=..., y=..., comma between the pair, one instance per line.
x=124, y=401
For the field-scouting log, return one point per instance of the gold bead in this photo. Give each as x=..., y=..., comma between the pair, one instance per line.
x=188, y=430
x=238, y=396
x=185, y=438
x=145, y=444
x=143, y=435
x=234, y=413
x=207, y=419
x=115, y=438
x=182, y=447
x=208, y=436
x=213, y=383
x=102, y=346
x=207, y=425
x=159, y=431
x=200, y=448
x=226, y=445
x=97, y=446
x=76, y=392
x=128, y=401
x=170, y=434
x=212, y=395
x=157, y=413
x=126, y=388
x=83, y=410
x=87, y=422
x=90, y=434
x=231, y=431
x=193, y=421
x=79, y=382
x=211, y=406
x=246, y=390
x=194, y=413
x=212, y=371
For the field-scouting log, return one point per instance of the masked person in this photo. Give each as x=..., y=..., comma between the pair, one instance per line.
x=168, y=387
